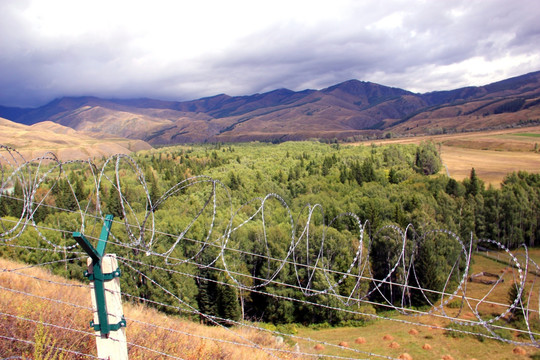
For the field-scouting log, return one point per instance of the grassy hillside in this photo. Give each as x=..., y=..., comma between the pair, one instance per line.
x=49, y=315
x=66, y=143
x=46, y=313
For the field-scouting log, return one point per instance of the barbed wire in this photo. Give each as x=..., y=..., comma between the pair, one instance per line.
x=383, y=281
x=359, y=278
x=280, y=297
x=275, y=332
x=408, y=311
x=339, y=273
x=214, y=319
x=309, y=256
x=29, y=342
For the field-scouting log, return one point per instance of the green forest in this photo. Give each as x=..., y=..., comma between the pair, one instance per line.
x=268, y=232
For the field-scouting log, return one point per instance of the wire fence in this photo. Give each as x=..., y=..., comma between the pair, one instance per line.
x=306, y=266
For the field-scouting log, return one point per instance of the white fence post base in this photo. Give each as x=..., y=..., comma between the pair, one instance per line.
x=115, y=346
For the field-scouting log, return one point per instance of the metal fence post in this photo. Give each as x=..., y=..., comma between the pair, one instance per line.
x=103, y=272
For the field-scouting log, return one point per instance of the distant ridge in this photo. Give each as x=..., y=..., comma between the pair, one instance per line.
x=68, y=144
x=350, y=110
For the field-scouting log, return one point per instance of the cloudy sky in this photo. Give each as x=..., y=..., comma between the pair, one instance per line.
x=183, y=50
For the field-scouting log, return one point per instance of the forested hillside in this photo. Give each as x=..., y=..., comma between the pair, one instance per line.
x=212, y=235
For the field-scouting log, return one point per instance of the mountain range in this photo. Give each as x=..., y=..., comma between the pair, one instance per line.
x=349, y=110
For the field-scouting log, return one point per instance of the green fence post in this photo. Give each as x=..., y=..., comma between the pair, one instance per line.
x=103, y=271
x=98, y=277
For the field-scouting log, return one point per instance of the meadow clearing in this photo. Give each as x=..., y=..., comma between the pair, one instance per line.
x=424, y=337
x=493, y=154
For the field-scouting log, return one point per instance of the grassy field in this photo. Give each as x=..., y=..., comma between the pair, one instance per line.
x=395, y=339
x=493, y=154
x=490, y=165
x=528, y=135
x=422, y=337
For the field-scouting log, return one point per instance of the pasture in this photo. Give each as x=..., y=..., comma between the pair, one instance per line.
x=493, y=154
x=425, y=338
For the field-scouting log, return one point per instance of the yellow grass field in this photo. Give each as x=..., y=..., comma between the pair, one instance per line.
x=493, y=154
x=410, y=334
x=491, y=166
x=66, y=143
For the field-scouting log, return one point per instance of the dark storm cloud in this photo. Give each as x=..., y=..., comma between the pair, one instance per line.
x=405, y=54
x=415, y=45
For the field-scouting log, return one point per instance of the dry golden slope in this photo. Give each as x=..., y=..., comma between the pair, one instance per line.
x=39, y=297
x=66, y=143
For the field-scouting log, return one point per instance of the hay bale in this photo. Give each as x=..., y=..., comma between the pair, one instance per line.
x=405, y=356
x=519, y=351
x=344, y=344
x=413, y=332
x=388, y=337
x=394, y=345
x=447, y=357
x=484, y=278
x=319, y=347
x=360, y=340
x=468, y=315
x=426, y=347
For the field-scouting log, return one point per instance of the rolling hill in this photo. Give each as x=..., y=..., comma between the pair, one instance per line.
x=352, y=109
x=67, y=143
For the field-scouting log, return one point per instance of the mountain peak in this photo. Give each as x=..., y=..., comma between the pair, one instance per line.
x=365, y=88
x=348, y=109
x=364, y=94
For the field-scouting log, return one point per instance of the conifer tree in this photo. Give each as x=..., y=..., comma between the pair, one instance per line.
x=474, y=186
x=228, y=305
x=393, y=176
x=112, y=203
